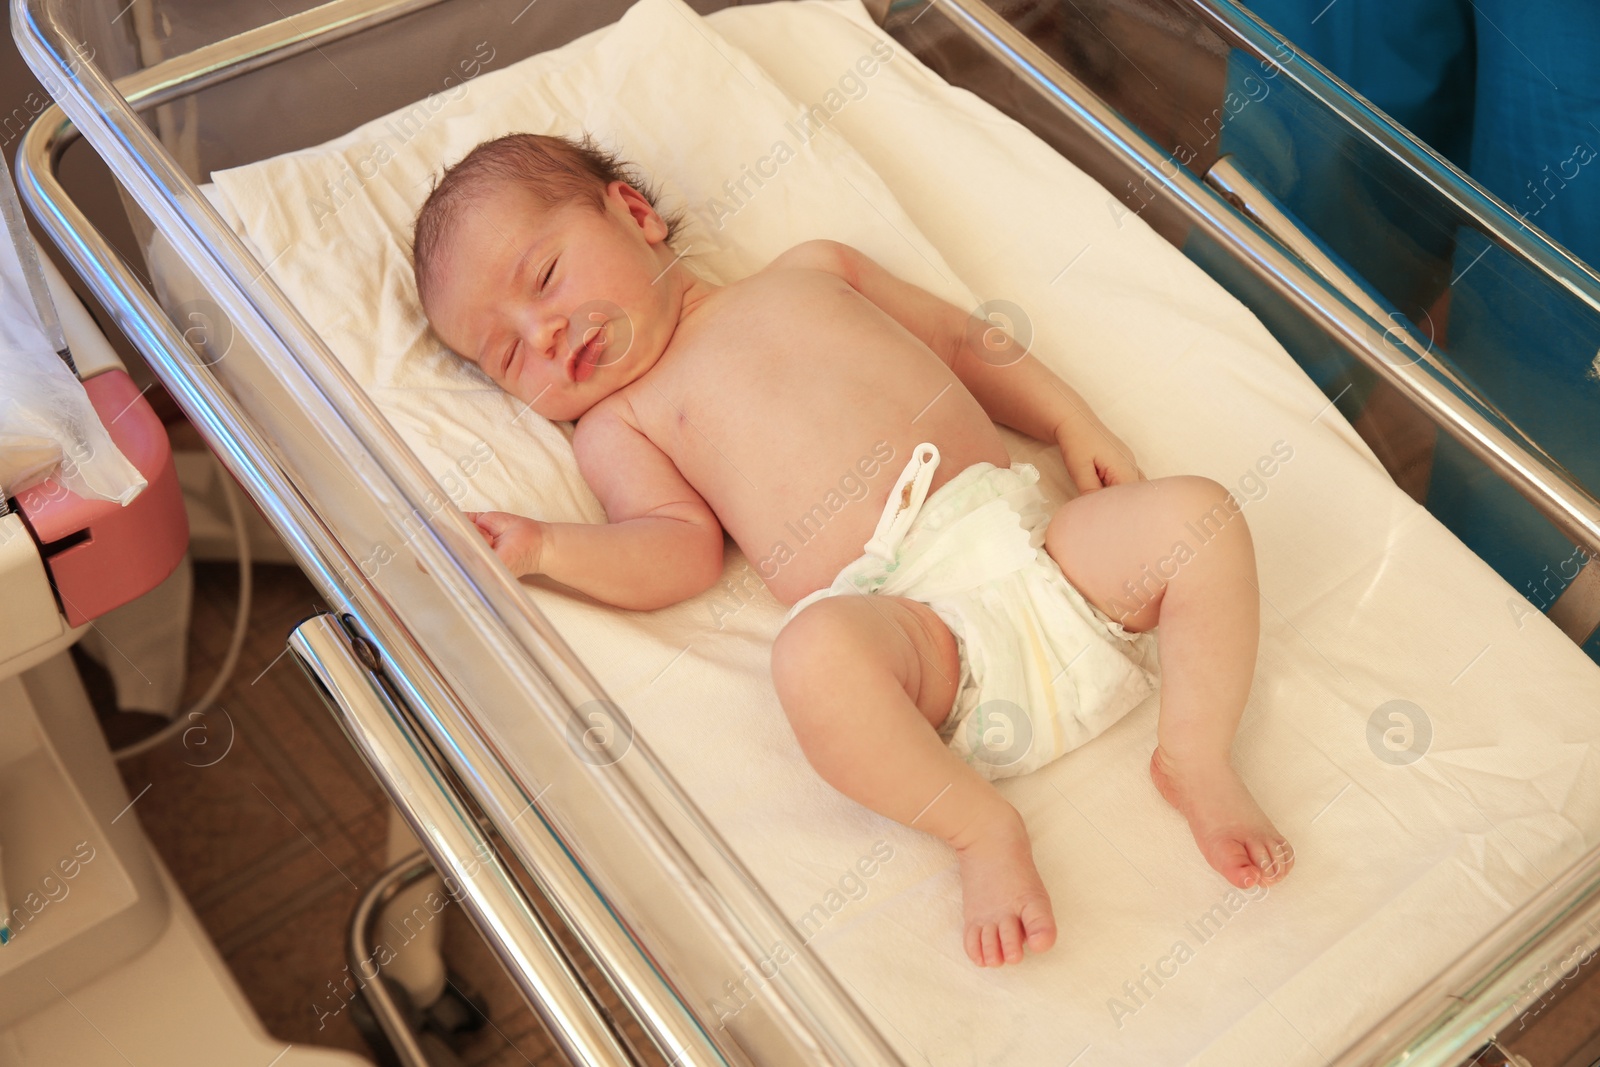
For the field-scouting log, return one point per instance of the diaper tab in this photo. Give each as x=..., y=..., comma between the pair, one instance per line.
x=905, y=501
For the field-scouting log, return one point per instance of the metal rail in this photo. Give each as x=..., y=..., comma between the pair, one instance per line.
x=359, y=952
x=1260, y=207
x=1577, y=609
x=242, y=53
x=1487, y=211
x=390, y=744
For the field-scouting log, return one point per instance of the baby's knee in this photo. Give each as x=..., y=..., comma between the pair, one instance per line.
x=1194, y=487
x=1204, y=505
x=811, y=640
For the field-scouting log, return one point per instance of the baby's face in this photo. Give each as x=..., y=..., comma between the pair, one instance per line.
x=560, y=306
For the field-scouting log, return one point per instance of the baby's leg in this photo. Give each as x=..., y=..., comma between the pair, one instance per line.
x=865, y=682
x=1172, y=552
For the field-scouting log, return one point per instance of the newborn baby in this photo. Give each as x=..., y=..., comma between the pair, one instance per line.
x=945, y=628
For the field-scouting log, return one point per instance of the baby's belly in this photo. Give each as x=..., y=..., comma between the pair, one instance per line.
x=802, y=542
x=798, y=541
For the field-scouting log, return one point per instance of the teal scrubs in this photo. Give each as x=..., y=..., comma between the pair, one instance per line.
x=1508, y=91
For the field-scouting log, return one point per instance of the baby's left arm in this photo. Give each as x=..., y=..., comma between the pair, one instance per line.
x=1014, y=388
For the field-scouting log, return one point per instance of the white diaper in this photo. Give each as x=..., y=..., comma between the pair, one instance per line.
x=1042, y=669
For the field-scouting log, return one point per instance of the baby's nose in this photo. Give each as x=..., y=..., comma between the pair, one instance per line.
x=549, y=339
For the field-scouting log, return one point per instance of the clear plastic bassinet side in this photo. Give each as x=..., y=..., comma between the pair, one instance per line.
x=1457, y=338
x=433, y=623
x=1171, y=106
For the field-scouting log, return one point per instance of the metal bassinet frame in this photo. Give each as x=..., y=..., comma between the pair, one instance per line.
x=432, y=631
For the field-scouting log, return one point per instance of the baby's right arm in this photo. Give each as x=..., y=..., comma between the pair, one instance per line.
x=661, y=544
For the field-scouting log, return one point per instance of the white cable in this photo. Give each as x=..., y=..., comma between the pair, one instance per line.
x=241, y=619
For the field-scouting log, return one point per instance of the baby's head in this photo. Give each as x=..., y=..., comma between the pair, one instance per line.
x=537, y=259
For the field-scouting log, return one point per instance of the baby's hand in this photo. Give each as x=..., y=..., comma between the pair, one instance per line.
x=1096, y=457
x=518, y=541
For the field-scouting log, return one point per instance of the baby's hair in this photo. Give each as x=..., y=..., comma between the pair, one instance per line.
x=555, y=169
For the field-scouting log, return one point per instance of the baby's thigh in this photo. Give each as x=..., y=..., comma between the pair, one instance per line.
x=821, y=648
x=1119, y=546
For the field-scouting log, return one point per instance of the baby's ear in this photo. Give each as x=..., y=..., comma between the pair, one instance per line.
x=641, y=210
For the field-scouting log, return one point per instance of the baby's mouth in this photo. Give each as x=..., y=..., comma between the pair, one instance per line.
x=587, y=357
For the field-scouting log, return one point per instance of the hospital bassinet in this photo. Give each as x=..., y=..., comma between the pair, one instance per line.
x=429, y=632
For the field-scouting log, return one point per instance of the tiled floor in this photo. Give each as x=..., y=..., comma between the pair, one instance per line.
x=1562, y=1028
x=275, y=841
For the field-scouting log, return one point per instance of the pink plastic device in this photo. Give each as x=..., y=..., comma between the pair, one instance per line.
x=102, y=555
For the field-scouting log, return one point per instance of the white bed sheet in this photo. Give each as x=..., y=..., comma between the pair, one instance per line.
x=1366, y=598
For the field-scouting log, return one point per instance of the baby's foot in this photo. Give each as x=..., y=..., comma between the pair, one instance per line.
x=1004, y=903
x=1233, y=833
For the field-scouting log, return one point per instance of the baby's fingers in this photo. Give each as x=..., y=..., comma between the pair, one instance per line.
x=487, y=526
x=492, y=522
x=1084, y=472
x=517, y=540
x=1120, y=470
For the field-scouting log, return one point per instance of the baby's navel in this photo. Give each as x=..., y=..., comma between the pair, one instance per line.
x=905, y=497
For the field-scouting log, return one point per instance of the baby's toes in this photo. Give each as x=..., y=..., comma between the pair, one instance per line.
x=990, y=939
x=1274, y=857
x=1038, y=925
x=1230, y=857
x=1011, y=939
x=983, y=945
